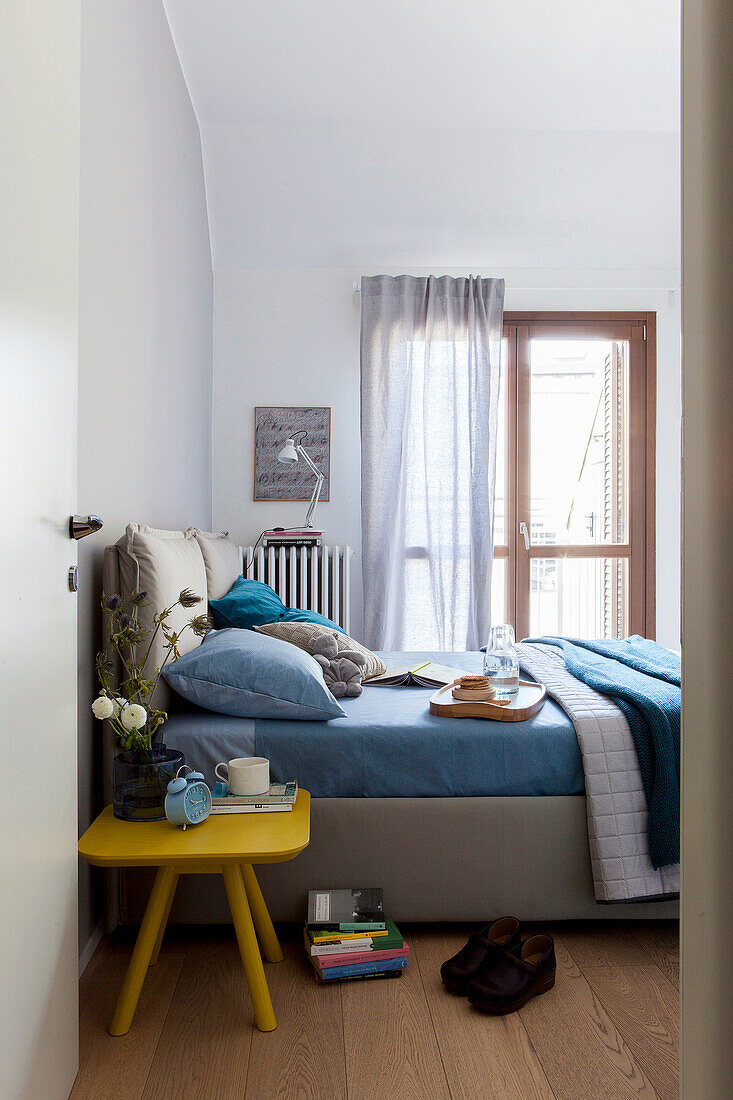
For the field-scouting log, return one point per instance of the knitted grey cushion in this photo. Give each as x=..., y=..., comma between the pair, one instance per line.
x=301, y=635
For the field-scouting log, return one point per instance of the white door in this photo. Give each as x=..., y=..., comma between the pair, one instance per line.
x=39, y=202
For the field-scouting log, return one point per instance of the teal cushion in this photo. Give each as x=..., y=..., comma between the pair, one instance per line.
x=251, y=675
x=248, y=604
x=297, y=615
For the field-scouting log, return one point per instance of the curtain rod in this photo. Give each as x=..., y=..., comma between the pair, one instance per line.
x=356, y=288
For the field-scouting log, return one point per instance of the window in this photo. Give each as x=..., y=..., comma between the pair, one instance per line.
x=574, y=521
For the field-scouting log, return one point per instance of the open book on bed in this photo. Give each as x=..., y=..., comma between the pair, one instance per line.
x=426, y=674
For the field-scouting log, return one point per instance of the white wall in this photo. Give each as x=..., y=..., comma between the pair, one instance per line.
x=399, y=132
x=39, y=250
x=291, y=337
x=145, y=329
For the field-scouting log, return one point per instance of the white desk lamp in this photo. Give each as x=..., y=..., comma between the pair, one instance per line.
x=289, y=455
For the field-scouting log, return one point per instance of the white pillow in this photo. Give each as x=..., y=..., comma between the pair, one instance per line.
x=162, y=563
x=222, y=559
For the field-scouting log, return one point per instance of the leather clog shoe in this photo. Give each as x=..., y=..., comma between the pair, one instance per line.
x=508, y=980
x=482, y=947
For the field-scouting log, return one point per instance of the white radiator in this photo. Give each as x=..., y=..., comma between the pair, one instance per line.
x=313, y=578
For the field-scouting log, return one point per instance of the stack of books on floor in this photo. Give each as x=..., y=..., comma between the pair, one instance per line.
x=280, y=797
x=348, y=938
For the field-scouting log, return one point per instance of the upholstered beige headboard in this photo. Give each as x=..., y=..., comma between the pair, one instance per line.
x=162, y=563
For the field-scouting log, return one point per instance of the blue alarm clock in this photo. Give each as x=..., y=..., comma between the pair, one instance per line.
x=188, y=801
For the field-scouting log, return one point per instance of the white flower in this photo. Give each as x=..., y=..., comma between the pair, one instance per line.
x=103, y=707
x=133, y=717
x=118, y=703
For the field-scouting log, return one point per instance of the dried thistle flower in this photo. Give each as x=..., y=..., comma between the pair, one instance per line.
x=187, y=598
x=133, y=684
x=201, y=625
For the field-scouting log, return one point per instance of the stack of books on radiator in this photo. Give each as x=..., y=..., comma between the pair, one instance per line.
x=348, y=938
x=305, y=537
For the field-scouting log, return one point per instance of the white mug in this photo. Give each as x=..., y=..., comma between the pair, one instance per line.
x=246, y=775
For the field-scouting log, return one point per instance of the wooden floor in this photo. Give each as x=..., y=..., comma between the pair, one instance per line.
x=608, y=1029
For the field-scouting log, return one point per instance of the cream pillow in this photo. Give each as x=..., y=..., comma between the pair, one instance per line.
x=222, y=559
x=162, y=563
x=301, y=635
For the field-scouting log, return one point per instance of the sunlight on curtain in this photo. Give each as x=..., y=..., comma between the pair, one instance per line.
x=430, y=389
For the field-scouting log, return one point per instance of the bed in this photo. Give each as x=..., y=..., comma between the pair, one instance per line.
x=458, y=820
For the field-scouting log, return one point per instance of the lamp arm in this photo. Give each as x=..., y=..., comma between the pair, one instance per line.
x=308, y=460
x=320, y=478
x=314, y=501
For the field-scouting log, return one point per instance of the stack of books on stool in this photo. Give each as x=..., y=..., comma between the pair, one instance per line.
x=280, y=798
x=347, y=936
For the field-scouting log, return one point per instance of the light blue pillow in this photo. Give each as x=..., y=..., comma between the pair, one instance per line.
x=250, y=603
x=251, y=675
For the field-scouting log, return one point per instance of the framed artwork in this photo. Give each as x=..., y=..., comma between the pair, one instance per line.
x=275, y=424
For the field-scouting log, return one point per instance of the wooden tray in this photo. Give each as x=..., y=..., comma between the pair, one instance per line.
x=528, y=701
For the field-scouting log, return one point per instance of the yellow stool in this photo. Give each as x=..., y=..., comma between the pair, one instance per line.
x=225, y=844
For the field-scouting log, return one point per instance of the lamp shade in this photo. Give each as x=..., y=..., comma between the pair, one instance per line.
x=288, y=455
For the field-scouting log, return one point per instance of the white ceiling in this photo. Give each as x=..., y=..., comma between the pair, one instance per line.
x=524, y=133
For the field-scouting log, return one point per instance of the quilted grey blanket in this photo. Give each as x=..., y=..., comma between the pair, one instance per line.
x=615, y=799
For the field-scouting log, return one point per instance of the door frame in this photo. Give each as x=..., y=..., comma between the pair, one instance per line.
x=639, y=328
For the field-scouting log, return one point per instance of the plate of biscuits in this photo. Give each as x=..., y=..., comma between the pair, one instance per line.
x=474, y=697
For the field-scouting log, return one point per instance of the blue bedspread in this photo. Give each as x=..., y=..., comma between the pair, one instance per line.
x=389, y=745
x=643, y=679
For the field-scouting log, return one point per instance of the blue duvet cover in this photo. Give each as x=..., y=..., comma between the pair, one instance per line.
x=389, y=745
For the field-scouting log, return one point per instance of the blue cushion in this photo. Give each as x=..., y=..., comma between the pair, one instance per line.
x=252, y=675
x=247, y=604
x=297, y=615
x=251, y=603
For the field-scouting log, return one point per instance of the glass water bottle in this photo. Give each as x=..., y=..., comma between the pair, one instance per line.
x=501, y=661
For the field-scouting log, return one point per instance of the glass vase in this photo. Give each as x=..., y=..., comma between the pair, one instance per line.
x=140, y=782
x=501, y=661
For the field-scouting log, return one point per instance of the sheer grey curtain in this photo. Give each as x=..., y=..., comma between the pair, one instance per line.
x=430, y=377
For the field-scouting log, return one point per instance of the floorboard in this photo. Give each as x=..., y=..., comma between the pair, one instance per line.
x=117, y=1068
x=488, y=1057
x=662, y=944
x=391, y=1048
x=204, y=1048
x=607, y=1030
x=644, y=1007
x=582, y=1052
x=304, y=1056
x=605, y=945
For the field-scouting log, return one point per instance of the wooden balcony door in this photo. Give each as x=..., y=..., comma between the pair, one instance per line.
x=574, y=533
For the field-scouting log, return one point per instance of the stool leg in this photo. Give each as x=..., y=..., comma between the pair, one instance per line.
x=261, y=916
x=164, y=922
x=248, y=949
x=146, y=940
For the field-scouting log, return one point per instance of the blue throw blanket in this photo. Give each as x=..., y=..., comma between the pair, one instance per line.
x=643, y=679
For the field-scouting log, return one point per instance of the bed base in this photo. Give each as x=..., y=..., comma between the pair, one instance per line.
x=438, y=859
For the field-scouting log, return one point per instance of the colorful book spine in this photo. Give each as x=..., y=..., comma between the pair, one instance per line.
x=254, y=808
x=278, y=792
x=337, y=937
x=355, y=947
x=363, y=926
x=358, y=977
x=363, y=968
x=352, y=958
